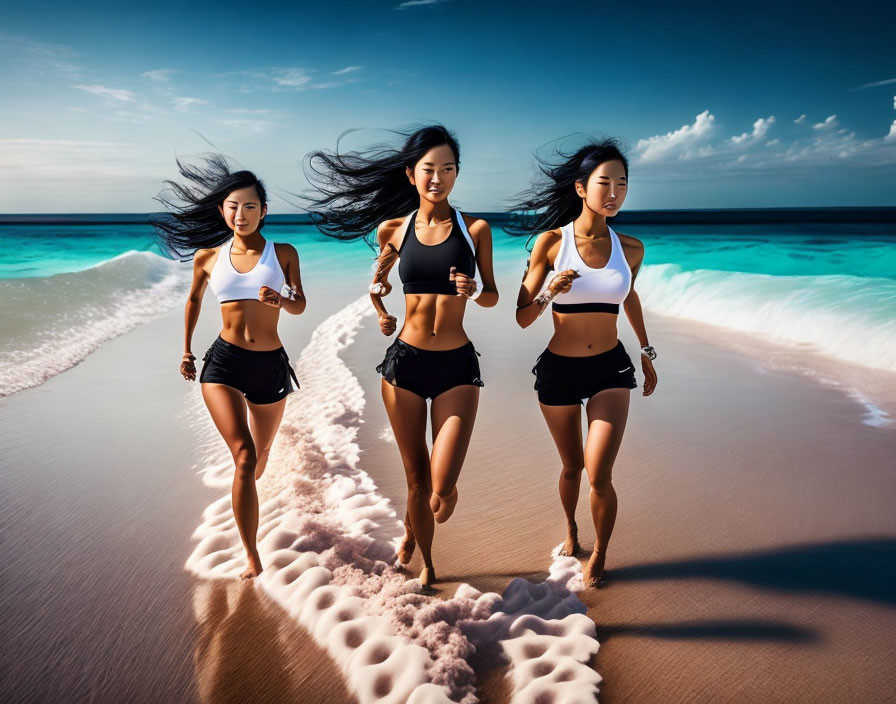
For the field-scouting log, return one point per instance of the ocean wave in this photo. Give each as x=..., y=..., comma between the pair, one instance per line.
x=51, y=323
x=847, y=317
x=328, y=540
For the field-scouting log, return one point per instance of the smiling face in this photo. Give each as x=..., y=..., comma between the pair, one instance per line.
x=435, y=173
x=606, y=188
x=242, y=210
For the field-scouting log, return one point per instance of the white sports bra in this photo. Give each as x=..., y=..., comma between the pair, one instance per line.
x=596, y=290
x=229, y=284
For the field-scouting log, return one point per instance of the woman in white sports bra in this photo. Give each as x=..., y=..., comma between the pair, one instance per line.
x=584, y=360
x=216, y=219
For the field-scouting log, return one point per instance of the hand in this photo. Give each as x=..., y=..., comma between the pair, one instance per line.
x=387, y=323
x=562, y=282
x=188, y=367
x=649, y=375
x=269, y=297
x=466, y=286
x=380, y=288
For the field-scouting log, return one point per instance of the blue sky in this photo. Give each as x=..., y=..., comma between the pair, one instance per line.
x=758, y=106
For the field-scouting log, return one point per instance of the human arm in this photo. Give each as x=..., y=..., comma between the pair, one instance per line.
x=543, y=253
x=481, y=234
x=289, y=262
x=384, y=262
x=634, y=251
x=191, y=313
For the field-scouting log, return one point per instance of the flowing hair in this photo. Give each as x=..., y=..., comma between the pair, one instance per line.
x=192, y=220
x=357, y=190
x=553, y=202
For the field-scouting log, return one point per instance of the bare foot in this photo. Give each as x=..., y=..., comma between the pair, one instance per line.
x=254, y=569
x=406, y=549
x=571, y=547
x=594, y=570
x=446, y=506
x=427, y=576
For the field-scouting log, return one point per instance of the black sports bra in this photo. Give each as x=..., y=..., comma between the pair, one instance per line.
x=425, y=268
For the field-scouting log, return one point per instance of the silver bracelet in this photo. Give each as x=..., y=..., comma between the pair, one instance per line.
x=287, y=291
x=649, y=352
x=377, y=288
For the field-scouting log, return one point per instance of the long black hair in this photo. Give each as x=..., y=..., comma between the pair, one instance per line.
x=193, y=220
x=552, y=202
x=358, y=190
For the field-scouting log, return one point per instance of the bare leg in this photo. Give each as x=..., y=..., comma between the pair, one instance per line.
x=607, y=414
x=264, y=419
x=453, y=415
x=408, y=543
x=407, y=414
x=565, y=424
x=228, y=410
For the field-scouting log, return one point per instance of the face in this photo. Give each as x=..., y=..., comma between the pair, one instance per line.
x=434, y=174
x=242, y=210
x=605, y=191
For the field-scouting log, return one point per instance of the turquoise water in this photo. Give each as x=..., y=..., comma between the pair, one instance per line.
x=66, y=290
x=866, y=250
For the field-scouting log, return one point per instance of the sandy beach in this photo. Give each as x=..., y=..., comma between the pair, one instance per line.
x=752, y=559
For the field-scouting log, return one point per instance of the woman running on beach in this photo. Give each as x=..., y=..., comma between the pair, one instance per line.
x=595, y=272
x=216, y=218
x=446, y=258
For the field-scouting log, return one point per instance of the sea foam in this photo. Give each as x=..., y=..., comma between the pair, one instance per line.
x=328, y=541
x=847, y=317
x=51, y=323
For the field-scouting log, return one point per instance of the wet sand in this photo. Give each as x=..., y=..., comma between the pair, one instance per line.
x=752, y=559
x=754, y=551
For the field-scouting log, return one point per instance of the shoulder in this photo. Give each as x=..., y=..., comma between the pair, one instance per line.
x=633, y=247
x=284, y=249
x=204, y=256
x=387, y=230
x=475, y=225
x=546, y=247
x=629, y=241
x=547, y=240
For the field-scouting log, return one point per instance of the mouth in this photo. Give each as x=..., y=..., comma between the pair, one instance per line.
x=610, y=206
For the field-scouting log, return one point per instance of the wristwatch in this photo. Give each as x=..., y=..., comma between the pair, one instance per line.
x=649, y=352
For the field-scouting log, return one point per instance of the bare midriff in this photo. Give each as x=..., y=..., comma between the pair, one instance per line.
x=583, y=334
x=250, y=324
x=434, y=321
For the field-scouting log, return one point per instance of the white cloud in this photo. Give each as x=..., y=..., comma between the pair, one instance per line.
x=118, y=94
x=184, y=104
x=683, y=143
x=693, y=152
x=800, y=120
x=417, y=3
x=347, y=69
x=159, y=75
x=40, y=58
x=877, y=83
x=294, y=78
x=829, y=123
x=251, y=126
x=760, y=130
x=891, y=135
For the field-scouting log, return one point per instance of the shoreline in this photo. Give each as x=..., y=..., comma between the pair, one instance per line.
x=680, y=604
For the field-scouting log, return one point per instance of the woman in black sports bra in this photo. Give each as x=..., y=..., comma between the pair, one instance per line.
x=445, y=259
x=595, y=270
